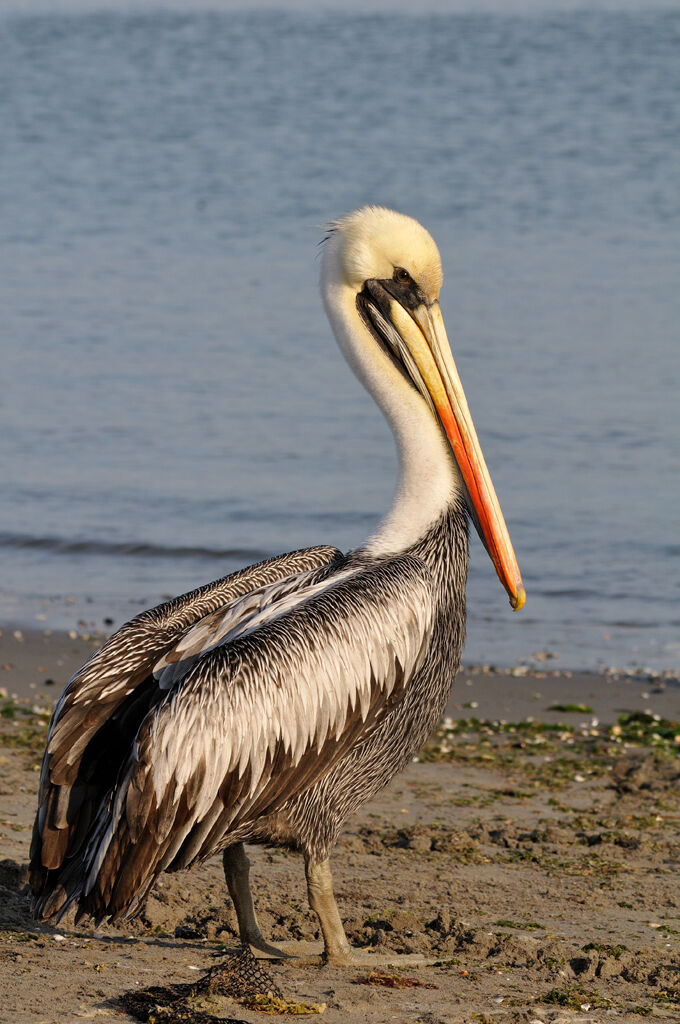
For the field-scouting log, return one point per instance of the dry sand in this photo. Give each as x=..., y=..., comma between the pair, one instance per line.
x=534, y=868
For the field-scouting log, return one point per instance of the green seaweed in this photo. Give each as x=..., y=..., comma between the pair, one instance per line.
x=583, y=709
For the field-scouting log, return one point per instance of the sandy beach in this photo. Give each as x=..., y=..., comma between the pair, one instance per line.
x=523, y=869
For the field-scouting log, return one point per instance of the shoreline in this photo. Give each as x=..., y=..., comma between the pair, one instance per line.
x=36, y=664
x=526, y=645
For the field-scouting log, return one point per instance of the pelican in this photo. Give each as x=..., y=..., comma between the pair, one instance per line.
x=269, y=705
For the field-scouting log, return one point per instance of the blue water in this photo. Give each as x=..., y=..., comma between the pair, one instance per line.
x=171, y=402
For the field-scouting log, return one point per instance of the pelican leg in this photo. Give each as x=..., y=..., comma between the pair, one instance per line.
x=337, y=949
x=237, y=873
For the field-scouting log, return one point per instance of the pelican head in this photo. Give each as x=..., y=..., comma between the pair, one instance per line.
x=380, y=282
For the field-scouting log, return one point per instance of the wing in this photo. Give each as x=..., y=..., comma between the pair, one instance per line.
x=98, y=714
x=255, y=721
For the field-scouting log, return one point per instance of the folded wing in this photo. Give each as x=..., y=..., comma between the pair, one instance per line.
x=264, y=708
x=100, y=711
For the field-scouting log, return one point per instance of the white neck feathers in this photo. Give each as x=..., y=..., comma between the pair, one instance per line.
x=428, y=478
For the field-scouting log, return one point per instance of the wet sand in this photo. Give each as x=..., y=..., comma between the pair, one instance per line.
x=528, y=870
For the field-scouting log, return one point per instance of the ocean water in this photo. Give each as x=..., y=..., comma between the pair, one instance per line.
x=172, y=404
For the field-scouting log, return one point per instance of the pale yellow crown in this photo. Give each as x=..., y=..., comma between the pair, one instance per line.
x=376, y=240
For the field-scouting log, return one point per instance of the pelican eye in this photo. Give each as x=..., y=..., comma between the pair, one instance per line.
x=404, y=289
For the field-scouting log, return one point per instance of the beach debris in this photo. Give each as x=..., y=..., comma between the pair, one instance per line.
x=238, y=975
